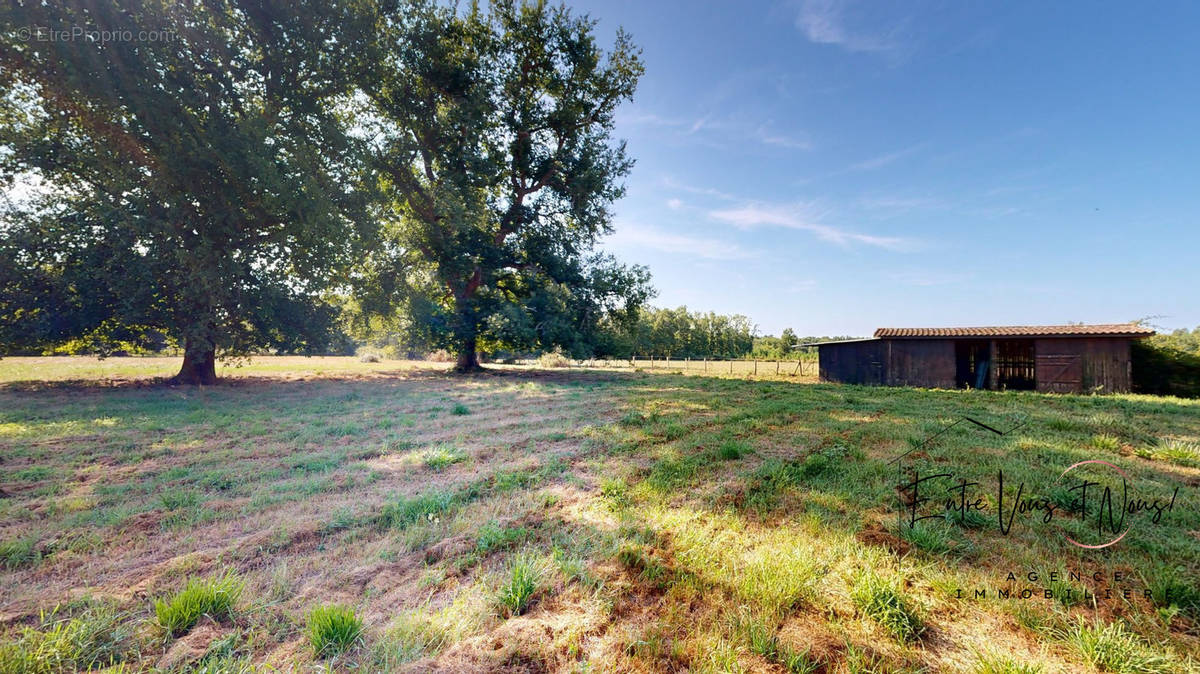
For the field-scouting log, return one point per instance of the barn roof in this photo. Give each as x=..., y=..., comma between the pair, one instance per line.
x=1100, y=330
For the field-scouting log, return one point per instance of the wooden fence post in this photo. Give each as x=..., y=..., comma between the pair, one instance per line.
x=755, y=367
x=776, y=368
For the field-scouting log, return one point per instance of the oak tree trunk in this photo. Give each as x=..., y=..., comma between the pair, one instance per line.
x=468, y=359
x=199, y=365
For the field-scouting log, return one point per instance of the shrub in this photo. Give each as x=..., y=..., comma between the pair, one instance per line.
x=333, y=629
x=882, y=601
x=212, y=597
x=1164, y=370
x=515, y=595
x=460, y=410
x=553, y=359
x=440, y=356
x=370, y=358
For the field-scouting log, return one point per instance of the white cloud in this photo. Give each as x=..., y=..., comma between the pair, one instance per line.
x=823, y=22
x=674, y=204
x=884, y=159
x=630, y=236
x=754, y=215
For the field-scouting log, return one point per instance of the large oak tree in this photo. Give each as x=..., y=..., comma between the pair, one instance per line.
x=492, y=129
x=199, y=177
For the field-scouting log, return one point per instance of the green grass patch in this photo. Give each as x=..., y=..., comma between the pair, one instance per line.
x=332, y=630
x=519, y=587
x=213, y=597
x=882, y=601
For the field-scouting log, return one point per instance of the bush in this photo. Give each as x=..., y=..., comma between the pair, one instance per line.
x=333, y=629
x=212, y=597
x=1165, y=371
x=440, y=356
x=370, y=358
x=553, y=359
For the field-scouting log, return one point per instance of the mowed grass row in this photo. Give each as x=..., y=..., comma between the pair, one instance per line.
x=569, y=521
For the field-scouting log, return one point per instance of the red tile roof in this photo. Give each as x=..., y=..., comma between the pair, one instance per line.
x=1104, y=330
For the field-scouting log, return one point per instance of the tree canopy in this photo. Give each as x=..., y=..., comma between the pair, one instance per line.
x=200, y=179
x=492, y=130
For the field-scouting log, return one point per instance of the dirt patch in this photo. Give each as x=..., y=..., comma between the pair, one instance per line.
x=192, y=646
x=875, y=534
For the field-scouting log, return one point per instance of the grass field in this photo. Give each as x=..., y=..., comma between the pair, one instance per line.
x=330, y=514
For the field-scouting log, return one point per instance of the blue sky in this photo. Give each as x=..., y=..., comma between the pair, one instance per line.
x=837, y=166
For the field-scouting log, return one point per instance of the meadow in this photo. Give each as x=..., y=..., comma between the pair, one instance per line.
x=329, y=514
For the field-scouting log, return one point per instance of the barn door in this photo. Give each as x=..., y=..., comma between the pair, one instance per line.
x=1059, y=372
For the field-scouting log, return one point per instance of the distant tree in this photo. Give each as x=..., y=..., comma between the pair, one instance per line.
x=199, y=179
x=788, y=340
x=493, y=132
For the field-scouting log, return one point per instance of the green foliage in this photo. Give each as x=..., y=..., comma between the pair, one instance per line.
x=199, y=188
x=97, y=637
x=460, y=409
x=495, y=150
x=514, y=596
x=882, y=601
x=212, y=597
x=332, y=630
x=1165, y=369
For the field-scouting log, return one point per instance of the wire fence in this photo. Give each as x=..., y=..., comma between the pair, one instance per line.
x=806, y=368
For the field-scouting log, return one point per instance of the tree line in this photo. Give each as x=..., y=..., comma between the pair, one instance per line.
x=269, y=171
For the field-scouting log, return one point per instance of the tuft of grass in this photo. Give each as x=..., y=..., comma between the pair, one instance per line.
x=411, y=636
x=332, y=629
x=1106, y=441
x=1113, y=648
x=492, y=537
x=932, y=538
x=514, y=596
x=615, y=492
x=212, y=597
x=765, y=642
x=997, y=663
x=1177, y=451
x=460, y=410
x=882, y=601
x=407, y=511
x=1169, y=587
x=443, y=456
x=732, y=449
x=97, y=637
x=19, y=553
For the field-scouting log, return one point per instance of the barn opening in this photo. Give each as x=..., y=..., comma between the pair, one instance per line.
x=973, y=358
x=1016, y=364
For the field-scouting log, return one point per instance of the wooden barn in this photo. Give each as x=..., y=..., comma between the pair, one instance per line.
x=1055, y=358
